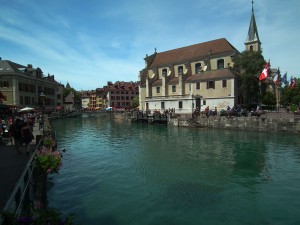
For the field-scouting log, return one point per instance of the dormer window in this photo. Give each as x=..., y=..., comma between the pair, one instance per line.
x=198, y=68
x=180, y=70
x=164, y=72
x=220, y=64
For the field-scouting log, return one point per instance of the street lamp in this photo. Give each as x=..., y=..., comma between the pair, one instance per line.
x=42, y=97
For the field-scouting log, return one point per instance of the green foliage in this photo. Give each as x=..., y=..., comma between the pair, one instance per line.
x=250, y=63
x=67, y=91
x=293, y=108
x=290, y=96
x=77, y=96
x=47, y=142
x=47, y=162
x=269, y=99
x=135, y=102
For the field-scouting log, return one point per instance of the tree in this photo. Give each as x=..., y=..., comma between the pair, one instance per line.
x=269, y=99
x=290, y=96
x=135, y=102
x=250, y=63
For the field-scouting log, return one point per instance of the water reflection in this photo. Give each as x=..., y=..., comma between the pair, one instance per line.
x=122, y=173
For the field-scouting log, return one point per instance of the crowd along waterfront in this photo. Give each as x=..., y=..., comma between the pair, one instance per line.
x=120, y=173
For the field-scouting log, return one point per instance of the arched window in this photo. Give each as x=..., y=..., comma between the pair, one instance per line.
x=251, y=48
x=220, y=64
x=198, y=68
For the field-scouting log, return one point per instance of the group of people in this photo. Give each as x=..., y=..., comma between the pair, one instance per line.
x=19, y=131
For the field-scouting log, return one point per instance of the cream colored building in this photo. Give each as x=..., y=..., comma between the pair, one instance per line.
x=22, y=86
x=199, y=75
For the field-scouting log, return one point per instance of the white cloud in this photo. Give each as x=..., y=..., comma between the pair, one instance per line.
x=93, y=42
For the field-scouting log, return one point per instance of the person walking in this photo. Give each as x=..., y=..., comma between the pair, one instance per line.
x=27, y=136
x=15, y=131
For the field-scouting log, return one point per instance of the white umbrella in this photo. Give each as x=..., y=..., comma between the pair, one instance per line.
x=26, y=109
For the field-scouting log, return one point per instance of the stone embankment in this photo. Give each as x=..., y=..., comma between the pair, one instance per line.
x=270, y=121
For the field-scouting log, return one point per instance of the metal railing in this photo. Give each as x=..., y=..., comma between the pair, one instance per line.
x=23, y=192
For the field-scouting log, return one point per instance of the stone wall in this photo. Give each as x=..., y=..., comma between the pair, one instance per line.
x=241, y=123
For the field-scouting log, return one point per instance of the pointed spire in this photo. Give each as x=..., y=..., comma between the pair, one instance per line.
x=252, y=41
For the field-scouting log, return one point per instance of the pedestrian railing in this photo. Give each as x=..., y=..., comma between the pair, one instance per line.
x=24, y=192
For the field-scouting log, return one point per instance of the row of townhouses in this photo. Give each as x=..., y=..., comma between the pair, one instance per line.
x=117, y=95
x=26, y=86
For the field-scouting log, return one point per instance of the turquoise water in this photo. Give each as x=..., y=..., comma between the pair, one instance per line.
x=118, y=173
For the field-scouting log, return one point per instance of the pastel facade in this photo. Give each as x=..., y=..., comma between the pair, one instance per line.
x=120, y=94
x=199, y=75
x=22, y=86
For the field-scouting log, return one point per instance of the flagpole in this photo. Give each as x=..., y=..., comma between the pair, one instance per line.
x=278, y=89
x=278, y=97
x=260, y=97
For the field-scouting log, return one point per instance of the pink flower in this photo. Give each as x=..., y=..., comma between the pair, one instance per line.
x=49, y=171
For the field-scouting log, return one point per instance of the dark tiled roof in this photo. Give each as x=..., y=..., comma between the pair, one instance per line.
x=149, y=59
x=10, y=67
x=69, y=98
x=157, y=83
x=212, y=75
x=193, y=52
x=173, y=81
x=252, y=33
x=121, y=85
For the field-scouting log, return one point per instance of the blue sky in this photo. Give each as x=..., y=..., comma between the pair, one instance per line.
x=88, y=43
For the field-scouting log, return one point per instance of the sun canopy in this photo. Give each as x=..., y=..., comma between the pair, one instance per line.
x=26, y=109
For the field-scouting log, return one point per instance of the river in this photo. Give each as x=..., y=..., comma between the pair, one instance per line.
x=120, y=173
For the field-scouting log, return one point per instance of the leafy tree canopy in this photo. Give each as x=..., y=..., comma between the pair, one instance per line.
x=290, y=96
x=135, y=102
x=269, y=99
x=250, y=62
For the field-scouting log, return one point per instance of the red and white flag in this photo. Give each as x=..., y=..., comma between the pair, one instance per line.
x=264, y=73
x=276, y=78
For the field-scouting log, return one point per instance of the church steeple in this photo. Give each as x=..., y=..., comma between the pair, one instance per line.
x=252, y=42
